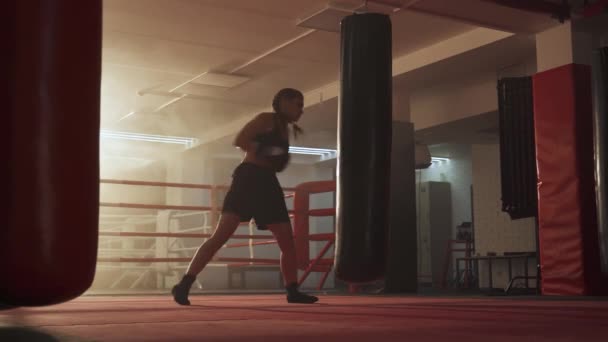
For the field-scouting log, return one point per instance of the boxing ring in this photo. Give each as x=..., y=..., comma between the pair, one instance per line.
x=160, y=242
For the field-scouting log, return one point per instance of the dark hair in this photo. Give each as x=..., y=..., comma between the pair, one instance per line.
x=287, y=93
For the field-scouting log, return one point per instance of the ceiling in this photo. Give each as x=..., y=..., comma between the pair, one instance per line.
x=151, y=47
x=163, y=43
x=478, y=129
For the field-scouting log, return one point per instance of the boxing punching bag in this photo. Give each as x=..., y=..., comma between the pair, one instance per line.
x=48, y=238
x=364, y=148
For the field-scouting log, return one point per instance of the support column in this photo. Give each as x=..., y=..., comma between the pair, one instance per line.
x=402, y=266
x=401, y=104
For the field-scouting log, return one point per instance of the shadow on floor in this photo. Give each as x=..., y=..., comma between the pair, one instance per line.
x=18, y=334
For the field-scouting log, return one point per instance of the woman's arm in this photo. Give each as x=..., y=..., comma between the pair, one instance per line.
x=260, y=124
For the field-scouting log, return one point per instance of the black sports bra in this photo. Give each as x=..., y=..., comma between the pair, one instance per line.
x=274, y=138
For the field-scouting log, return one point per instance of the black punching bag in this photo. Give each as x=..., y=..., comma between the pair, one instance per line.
x=48, y=238
x=364, y=145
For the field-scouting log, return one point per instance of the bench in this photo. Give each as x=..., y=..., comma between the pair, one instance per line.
x=242, y=269
x=509, y=257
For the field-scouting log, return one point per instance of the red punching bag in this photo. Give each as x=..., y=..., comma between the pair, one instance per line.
x=50, y=226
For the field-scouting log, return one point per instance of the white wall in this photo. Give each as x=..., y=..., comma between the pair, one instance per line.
x=457, y=171
x=479, y=165
x=494, y=229
x=401, y=104
x=470, y=96
x=554, y=47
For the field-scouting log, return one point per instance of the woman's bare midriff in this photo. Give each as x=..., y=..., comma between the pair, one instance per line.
x=253, y=159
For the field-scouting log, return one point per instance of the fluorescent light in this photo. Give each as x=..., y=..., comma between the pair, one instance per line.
x=311, y=150
x=124, y=161
x=188, y=142
x=140, y=160
x=321, y=152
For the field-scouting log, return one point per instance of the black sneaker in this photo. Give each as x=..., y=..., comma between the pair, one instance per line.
x=301, y=298
x=180, y=295
x=6, y=306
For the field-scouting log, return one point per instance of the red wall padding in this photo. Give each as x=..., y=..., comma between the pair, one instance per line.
x=568, y=233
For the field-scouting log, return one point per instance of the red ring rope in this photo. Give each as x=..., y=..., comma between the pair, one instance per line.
x=300, y=214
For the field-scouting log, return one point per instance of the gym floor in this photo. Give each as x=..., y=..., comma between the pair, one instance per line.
x=267, y=317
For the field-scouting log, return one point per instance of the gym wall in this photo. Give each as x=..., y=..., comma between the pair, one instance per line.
x=494, y=229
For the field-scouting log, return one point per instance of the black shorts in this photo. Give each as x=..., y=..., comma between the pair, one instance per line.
x=255, y=193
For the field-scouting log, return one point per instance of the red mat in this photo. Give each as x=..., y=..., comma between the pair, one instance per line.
x=338, y=318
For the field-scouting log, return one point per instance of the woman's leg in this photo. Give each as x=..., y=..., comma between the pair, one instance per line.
x=225, y=228
x=228, y=224
x=289, y=267
x=284, y=236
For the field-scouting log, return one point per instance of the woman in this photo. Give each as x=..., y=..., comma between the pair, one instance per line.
x=256, y=193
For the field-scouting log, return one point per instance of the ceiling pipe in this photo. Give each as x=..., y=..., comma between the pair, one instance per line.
x=538, y=6
x=558, y=11
x=594, y=9
x=409, y=5
x=562, y=11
